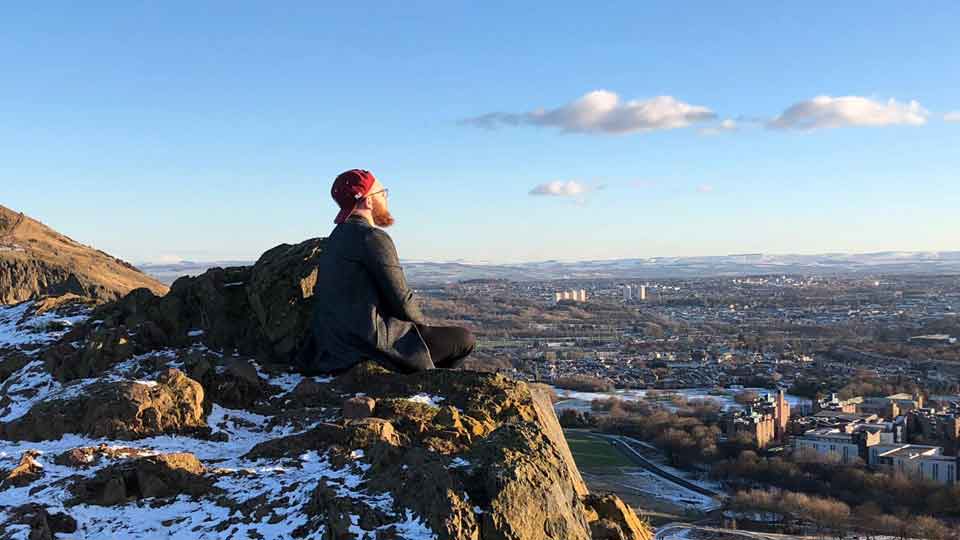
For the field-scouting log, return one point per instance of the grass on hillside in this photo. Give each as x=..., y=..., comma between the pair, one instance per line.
x=588, y=452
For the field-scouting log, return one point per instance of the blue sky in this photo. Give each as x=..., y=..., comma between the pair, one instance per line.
x=212, y=130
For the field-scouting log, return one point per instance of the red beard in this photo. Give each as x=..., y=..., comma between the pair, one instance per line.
x=381, y=216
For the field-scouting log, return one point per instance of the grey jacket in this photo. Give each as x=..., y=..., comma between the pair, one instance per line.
x=363, y=308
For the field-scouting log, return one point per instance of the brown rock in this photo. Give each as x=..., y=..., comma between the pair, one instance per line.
x=547, y=419
x=353, y=435
x=617, y=521
x=87, y=456
x=43, y=525
x=236, y=386
x=26, y=472
x=104, y=347
x=310, y=393
x=120, y=410
x=164, y=475
x=261, y=310
x=424, y=482
x=531, y=491
x=358, y=407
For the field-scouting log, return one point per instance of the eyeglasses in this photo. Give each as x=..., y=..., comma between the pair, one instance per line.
x=385, y=191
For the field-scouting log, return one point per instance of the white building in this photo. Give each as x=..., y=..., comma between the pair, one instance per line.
x=627, y=293
x=643, y=292
x=915, y=461
x=829, y=442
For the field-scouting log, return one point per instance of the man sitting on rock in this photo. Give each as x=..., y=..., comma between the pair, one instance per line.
x=363, y=308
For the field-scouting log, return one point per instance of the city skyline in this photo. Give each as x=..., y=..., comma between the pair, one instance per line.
x=180, y=132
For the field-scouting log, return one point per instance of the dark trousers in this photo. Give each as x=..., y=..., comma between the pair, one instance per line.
x=449, y=345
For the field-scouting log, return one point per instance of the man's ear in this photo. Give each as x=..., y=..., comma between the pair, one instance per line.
x=363, y=204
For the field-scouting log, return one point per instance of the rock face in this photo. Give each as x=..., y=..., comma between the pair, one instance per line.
x=261, y=310
x=37, y=261
x=122, y=410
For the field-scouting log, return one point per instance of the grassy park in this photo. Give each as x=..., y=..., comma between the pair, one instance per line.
x=591, y=453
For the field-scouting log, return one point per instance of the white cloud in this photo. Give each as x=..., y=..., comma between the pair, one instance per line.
x=725, y=126
x=602, y=111
x=558, y=188
x=832, y=112
x=952, y=116
x=704, y=188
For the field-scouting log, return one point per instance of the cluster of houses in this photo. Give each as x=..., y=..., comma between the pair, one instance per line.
x=878, y=432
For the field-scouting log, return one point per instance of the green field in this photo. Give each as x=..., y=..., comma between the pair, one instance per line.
x=588, y=452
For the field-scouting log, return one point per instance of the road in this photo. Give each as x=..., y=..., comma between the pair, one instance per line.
x=672, y=530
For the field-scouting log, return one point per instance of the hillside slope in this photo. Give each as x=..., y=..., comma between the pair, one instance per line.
x=36, y=260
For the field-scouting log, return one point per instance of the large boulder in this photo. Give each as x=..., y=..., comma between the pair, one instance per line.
x=116, y=409
x=262, y=311
x=476, y=455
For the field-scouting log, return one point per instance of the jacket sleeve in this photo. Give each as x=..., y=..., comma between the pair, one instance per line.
x=384, y=266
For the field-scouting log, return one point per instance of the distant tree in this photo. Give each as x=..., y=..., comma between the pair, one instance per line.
x=928, y=527
x=746, y=397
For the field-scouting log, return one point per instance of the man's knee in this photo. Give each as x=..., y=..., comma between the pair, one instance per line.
x=468, y=341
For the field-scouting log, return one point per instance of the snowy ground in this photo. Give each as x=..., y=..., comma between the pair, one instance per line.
x=283, y=485
x=645, y=482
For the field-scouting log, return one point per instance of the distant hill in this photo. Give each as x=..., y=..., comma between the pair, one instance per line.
x=167, y=273
x=888, y=262
x=36, y=260
x=422, y=273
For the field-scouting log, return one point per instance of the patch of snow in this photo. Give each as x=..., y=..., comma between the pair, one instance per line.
x=426, y=399
x=26, y=387
x=233, y=284
x=146, y=383
x=17, y=328
x=286, y=381
x=459, y=462
x=195, y=333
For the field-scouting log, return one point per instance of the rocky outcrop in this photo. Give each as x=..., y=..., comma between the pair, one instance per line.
x=477, y=456
x=37, y=261
x=262, y=311
x=119, y=410
x=458, y=455
x=165, y=475
x=89, y=456
x=27, y=471
x=40, y=522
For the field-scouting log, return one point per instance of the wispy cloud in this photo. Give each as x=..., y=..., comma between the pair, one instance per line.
x=952, y=116
x=833, y=112
x=559, y=188
x=603, y=112
x=726, y=126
